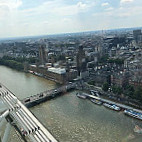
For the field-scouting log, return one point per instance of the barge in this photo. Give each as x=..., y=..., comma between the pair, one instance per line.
x=112, y=106
x=96, y=101
x=81, y=95
x=133, y=113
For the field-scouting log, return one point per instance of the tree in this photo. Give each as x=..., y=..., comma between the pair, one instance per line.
x=116, y=61
x=105, y=86
x=12, y=64
x=103, y=59
x=117, y=90
x=91, y=82
x=129, y=90
x=138, y=94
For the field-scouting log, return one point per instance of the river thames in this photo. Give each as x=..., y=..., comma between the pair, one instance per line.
x=69, y=118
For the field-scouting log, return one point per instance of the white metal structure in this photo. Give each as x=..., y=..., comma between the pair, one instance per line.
x=30, y=127
x=8, y=126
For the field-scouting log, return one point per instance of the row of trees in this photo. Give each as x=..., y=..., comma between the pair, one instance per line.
x=116, y=61
x=12, y=64
x=21, y=59
x=128, y=90
x=134, y=93
x=16, y=63
x=106, y=59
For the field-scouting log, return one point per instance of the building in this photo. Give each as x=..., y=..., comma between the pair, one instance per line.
x=81, y=60
x=42, y=54
x=59, y=75
x=136, y=34
x=120, y=78
x=56, y=74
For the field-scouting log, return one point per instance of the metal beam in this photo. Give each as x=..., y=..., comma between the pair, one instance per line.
x=4, y=114
x=7, y=133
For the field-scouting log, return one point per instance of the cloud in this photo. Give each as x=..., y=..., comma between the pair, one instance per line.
x=58, y=8
x=126, y=1
x=81, y=5
x=4, y=11
x=50, y=16
x=11, y=4
x=105, y=4
x=122, y=12
x=56, y=16
x=8, y=8
x=109, y=9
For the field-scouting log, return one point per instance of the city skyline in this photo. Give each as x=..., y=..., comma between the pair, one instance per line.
x=29, y=18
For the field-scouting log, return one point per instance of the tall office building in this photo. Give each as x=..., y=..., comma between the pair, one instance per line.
x=136, y=34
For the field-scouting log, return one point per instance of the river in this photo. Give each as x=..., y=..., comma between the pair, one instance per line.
x=69, y=118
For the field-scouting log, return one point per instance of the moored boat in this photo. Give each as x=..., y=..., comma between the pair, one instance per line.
x=133, y=113
x=81, y=95
x=96, y=101
x=112, y=106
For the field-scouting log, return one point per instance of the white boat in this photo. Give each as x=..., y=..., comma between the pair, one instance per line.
x=96, y=101
x=81, y=95
x=112, y=106
x=94, y=93
x=133, y=113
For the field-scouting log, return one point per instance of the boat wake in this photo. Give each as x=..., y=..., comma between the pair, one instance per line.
x=137, y=129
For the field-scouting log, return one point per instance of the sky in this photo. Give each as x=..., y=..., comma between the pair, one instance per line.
x=44, y=17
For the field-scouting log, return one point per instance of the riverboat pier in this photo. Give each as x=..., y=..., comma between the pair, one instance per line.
x=122, y=106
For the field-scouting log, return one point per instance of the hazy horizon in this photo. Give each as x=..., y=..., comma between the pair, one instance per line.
x=20, y=18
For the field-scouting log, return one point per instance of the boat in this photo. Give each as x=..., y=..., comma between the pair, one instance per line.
x=94, y=93
x=133, y=113
x=112, y=106
x=137, y=129
x=96, y=101
x=81, y=95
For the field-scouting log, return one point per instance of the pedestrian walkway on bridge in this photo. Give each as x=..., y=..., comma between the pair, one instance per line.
x=29, y=126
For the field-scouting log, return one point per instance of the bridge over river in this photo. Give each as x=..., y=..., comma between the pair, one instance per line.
x=22, y=119
x=46, y=95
